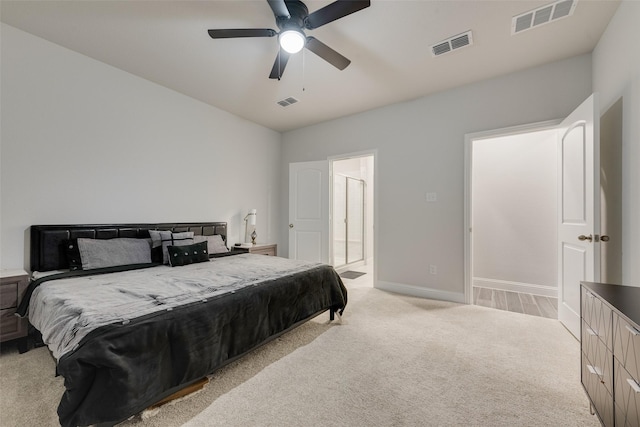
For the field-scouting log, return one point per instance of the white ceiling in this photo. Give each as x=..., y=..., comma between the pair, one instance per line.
x=388, y=43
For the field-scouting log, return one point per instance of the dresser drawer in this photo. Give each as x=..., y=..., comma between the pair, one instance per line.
x=627, y=398
x=599, y=362
x=601, y=398
x=590, y=338
x=9, y=296
x=626, y=341
x=597, y=315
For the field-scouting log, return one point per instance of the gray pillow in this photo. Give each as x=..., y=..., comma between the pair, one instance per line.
x=215, y=243
x=99, y=253
x=167, y=238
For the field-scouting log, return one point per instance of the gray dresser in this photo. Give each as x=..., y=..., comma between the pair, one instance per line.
x=610, y=365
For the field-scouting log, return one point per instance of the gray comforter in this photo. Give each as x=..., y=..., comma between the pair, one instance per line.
x=126, y=340
x=66, y=310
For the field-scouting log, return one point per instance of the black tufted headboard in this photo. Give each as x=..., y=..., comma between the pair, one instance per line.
x=47, y=241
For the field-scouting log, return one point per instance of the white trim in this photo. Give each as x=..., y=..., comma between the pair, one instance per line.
x=419, y=291
x=468, y=165
x=527, y=288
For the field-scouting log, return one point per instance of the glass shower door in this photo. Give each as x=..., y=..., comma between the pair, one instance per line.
x=355, y=220
x=348, y=220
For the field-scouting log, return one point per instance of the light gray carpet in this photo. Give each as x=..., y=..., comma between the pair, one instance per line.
x=395, y=361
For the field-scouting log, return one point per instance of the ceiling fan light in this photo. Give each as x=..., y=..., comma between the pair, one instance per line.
x=292, y=41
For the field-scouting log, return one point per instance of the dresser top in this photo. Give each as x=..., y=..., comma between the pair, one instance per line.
x=625, y=299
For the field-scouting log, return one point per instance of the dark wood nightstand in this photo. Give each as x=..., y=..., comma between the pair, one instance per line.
x=13, y=284
x=260, y=249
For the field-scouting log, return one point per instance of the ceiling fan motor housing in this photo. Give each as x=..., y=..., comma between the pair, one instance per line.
x=298, y=14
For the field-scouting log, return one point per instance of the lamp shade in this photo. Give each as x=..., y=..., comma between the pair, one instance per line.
x=292, y=41
x=252, y=217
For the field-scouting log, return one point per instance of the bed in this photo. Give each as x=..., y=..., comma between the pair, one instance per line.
x=127, y=336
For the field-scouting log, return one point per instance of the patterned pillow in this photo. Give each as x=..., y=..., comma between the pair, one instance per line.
x=167, y=238
x=189, y=254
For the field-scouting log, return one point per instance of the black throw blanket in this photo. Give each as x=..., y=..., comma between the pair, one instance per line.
x=120, y=369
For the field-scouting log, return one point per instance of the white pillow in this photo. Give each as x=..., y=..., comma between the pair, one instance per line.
x=99, y=253
x=215, y=244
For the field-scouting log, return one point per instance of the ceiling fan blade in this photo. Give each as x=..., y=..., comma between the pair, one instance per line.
x=247, y=32
x=333, y=11
x=279, y=8
x=326, y=53
x=278, y=66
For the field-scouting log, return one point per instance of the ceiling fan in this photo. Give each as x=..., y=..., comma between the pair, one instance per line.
x=292, y=18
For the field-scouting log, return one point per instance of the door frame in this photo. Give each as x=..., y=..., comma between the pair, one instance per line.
x=366, y=153
x=468, y=196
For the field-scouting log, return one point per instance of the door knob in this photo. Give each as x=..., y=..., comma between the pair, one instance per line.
x=290, y=225
x=604, y=238
x=582, y=237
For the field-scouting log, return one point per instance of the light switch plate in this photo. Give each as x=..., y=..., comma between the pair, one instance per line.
x=432, y=197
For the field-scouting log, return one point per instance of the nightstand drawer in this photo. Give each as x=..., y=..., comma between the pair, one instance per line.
x=13, y=284
x=9, y=296
x=9, y=323
x=259, y=249
x=264, y=251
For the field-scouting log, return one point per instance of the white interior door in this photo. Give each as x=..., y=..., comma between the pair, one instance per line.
x=578, y=209
x=309, y=211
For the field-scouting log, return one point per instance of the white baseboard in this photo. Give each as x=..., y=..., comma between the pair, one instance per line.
x=418, y=291
x=505, y=285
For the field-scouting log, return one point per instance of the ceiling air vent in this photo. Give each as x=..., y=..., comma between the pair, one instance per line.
x=542, y=15
x=287, y=101
x=452, y=43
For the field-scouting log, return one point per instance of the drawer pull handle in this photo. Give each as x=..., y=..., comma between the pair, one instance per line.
x=592, y=332
x=594, y=370
x=633, y=330
x=634, y=385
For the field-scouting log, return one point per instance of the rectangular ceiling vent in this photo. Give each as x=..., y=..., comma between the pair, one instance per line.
x=542, y=15
x=287, y=101
x=452, y=43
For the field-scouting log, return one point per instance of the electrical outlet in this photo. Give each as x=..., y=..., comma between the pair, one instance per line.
x=433, y=269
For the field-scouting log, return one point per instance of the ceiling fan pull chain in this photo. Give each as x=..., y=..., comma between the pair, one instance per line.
x=304, y=55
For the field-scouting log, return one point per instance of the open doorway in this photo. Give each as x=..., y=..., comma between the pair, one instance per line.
x=352, y=211
x=588, y=226
x=514, y=212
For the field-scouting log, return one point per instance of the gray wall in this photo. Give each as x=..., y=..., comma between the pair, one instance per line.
x=616, y=74
x=84, y=142
x=421, y=149
x=515, y=213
